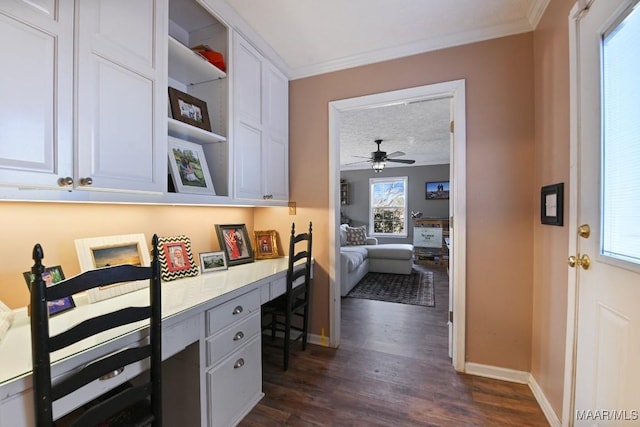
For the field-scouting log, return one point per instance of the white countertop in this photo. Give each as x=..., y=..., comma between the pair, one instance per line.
x=178, y=297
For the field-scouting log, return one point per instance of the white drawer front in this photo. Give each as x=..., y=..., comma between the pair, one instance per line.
x=232, y=338
x=235, y=385
x=177, y=337
x=237, y=309
x=278, y=287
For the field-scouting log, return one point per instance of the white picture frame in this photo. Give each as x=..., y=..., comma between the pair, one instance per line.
x=189, y=170
x=213, y=261
x=100, y=252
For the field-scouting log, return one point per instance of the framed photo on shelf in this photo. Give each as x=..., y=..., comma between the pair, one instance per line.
x=551, y=204
x=234, y=241
x=189, y=109
x=176, y=258
x=189, y=169
x=212, y=261
x=266, y=244
x=99, y=252
x=437, y=190
x=51, y=276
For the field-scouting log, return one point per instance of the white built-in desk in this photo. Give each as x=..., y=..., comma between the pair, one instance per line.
x=215, y=316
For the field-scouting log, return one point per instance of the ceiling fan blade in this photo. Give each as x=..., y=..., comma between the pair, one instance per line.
x=395, y=154
x=362, y=157
x=355, y=163
x=407, y=161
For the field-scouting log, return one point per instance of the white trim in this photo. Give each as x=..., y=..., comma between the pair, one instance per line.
x=548, y=411
x=456, y=90
x=497, y=373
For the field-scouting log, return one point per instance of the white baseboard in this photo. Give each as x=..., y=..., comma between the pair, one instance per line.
x=318, y=340
x=548, y=411
x=519, y=377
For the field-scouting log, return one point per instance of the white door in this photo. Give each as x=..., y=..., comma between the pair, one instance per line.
x=607, y=372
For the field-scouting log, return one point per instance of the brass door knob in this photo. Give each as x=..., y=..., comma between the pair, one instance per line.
x=86, y=181
x=583, y=261
x=65, y=182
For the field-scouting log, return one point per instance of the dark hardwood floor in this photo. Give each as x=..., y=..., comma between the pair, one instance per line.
x=392, y=369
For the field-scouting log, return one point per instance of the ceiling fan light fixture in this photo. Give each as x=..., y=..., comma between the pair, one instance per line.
x=377, y=165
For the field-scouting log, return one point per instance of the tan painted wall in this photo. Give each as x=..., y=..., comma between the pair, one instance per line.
x=551, y=75
x=499, y=94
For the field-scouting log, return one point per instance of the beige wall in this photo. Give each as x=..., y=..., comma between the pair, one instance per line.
x=499, y=95
x=551, y=75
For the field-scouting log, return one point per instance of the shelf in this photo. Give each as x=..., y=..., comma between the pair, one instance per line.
x=188, y=67
x=187, y=132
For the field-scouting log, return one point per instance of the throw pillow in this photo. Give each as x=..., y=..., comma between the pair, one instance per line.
x=343, y=234
x=356, y=236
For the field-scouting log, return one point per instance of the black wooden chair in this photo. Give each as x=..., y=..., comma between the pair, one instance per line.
x=132, y=405
x=290, y=312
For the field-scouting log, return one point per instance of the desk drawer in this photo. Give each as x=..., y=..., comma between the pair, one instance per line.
x=177, y=337
x=234, y=386
x=232, y=338
x=237, y=309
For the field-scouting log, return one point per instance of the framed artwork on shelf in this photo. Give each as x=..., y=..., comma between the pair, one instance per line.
x=51, y=276
x=551, y=204
x=212, y=261
x=234, y=241
x=437, y=190
x=99, y=252
x=189, y=170
x=266, y=243
x=176, y=258
x=189, y=109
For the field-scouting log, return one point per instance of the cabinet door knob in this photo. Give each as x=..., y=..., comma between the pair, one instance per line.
x=238, y=336
x=239, y=363
x=65, y=182
x=86, y=181
x=237, y=310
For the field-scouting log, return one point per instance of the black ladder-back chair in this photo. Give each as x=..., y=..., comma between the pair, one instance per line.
x=145, y=398
x=290, y=312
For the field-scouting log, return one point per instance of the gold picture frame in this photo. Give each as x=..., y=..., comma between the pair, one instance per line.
x=99, y=252
x=266, y=244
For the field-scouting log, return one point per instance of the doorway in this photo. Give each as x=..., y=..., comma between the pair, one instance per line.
x=456, y=91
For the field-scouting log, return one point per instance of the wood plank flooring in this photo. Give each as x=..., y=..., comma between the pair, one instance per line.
x=392, y=369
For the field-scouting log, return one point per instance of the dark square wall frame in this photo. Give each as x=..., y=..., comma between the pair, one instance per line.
x=552, y=204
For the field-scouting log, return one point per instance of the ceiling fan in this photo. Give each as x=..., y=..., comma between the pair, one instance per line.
x=378, y=158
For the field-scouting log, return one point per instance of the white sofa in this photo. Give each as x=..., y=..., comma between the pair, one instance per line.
x=358, y=260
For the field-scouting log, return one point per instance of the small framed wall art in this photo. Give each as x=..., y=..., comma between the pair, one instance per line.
x=212, y=261
x=176, y=258
x=266, y=244
x=51, y=276
x=437, y=190
x=189, y=169
x=98, y=252
x=234, y=240
x=551, y=204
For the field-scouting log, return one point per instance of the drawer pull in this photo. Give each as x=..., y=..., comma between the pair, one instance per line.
x=238, y=336
x=112, y=374
x=239, y=363
x=238, y=310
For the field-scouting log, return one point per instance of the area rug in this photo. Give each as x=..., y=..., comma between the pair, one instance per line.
x=415, y=288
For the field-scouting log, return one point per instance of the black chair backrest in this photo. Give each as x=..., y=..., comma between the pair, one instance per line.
x=296, y=255
x=42, y=344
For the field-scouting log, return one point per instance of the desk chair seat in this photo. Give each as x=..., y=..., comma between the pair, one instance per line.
x=127, y=405
x=290, y=312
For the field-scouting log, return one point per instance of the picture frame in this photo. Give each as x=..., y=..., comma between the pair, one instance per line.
x=213, y=261
x=99, y=252
x=189, y=109
x=266, y=244
x=438, y=190
x=234, y=241
x=176, y=258
x=552, y=204
x=189, y=170
x=51, y=276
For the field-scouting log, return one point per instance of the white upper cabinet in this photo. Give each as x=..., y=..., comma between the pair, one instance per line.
x=121, y=110
x=261, y=120
x=36, y=82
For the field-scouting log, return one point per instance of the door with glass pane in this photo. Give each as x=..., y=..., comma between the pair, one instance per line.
x=607, y=381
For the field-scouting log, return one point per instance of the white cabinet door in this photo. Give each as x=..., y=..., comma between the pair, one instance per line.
x=36, y=82
x=121, y=100
x=276, y=131
x=261, y=123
